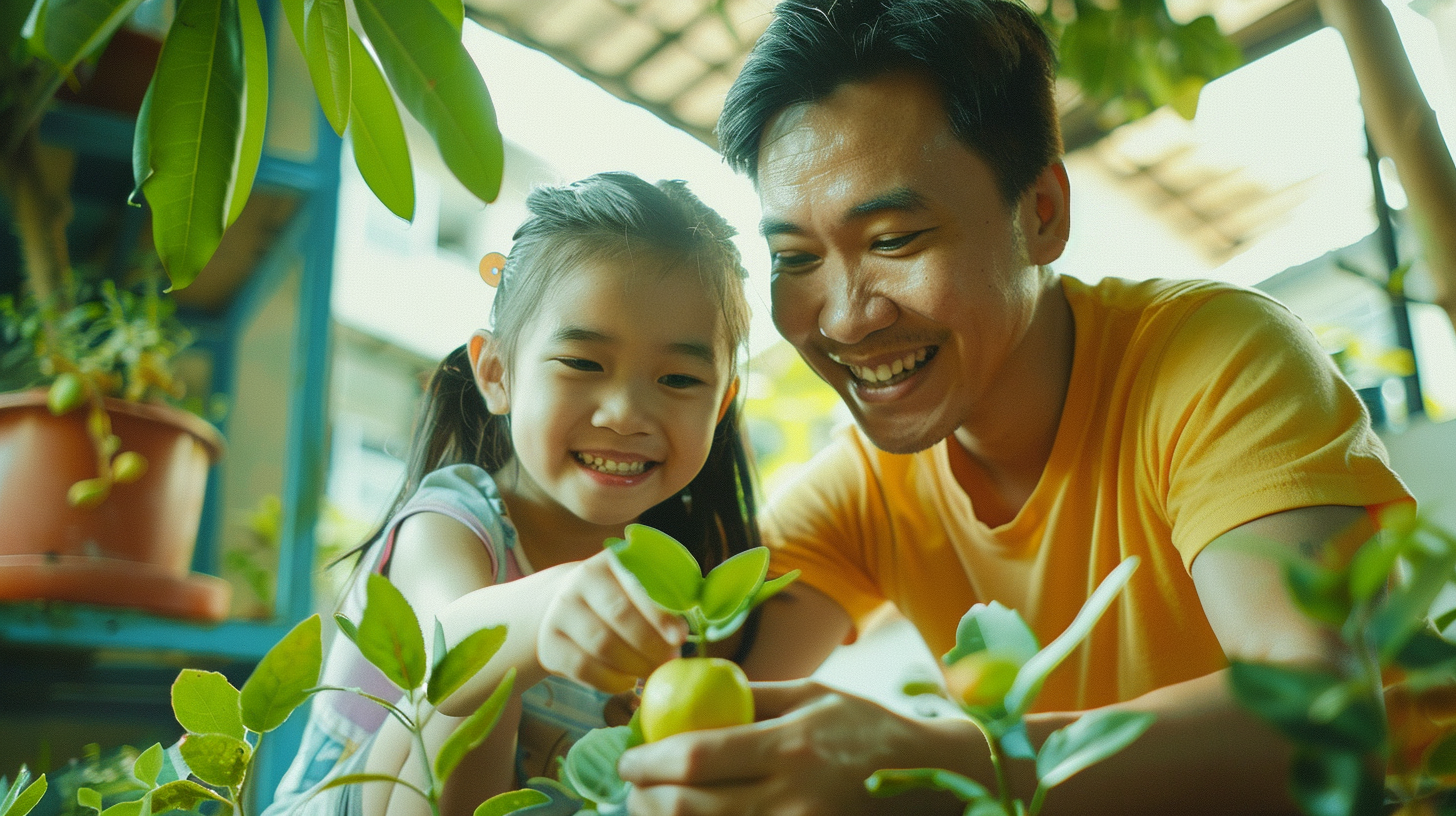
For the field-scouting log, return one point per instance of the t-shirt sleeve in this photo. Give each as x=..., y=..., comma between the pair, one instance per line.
x=822, y=523
x=1250, y=418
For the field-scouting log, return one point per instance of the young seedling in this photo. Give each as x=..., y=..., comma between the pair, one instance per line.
x=995, y=672
x=685, y=693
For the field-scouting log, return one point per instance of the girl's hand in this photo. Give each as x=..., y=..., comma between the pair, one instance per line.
x=602, y=630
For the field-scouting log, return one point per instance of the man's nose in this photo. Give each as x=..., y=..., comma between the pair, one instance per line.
x=854, y=308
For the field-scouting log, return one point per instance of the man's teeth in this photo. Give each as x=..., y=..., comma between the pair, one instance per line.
x=609, y=466
x=885, y=371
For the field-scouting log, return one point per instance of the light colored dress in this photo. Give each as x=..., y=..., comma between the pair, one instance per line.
x=555, y=712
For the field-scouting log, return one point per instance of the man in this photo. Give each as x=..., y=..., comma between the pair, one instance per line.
x=1018, y=434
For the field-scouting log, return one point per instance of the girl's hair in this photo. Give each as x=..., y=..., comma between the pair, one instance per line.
x=606, y=216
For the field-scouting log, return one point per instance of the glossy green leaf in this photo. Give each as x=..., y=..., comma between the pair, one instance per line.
x=436, y=79
x=896, y=782
x=281, y=681
x=591, y=765
x=1333, y=783
x=1034, y=672
x=1427, y=650
x=141, y=146
x=1406, y=606
x=663, y=566
x=462, y=662
x=376, y=135
x=1319, y=592
x=89, y=797
x=389, y=635
x=326, y=48
x=22, y=798
x=359, y=779
x=995, y=627
x=1012, y=736
x=1296, y=701
x=347, y=628
x=1371, y=567
x=206, y=703
x=729, y=586
x=68, y=31
x=453, y=12
x=136, y=807
x=475, y=728
x=182, y=794
x=773, y=587
x=255, y=105
x=195, y=123
x=511, y=801
x=1086, y=741
x=217, y=759
x=148, y=764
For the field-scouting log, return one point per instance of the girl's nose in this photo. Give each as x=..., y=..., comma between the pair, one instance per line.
x=620, y=409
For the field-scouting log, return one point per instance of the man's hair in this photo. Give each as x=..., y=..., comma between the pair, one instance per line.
x=993, y=63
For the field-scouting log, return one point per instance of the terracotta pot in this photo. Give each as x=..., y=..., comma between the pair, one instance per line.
x=135, y=548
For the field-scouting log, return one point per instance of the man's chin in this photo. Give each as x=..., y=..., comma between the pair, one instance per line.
x=902, y=434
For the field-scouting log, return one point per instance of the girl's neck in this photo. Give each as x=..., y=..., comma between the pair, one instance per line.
x=549, y=533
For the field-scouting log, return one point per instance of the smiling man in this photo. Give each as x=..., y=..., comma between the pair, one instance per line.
x=1017, y=434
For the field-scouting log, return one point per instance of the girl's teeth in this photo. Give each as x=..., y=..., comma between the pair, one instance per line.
x=610, y=466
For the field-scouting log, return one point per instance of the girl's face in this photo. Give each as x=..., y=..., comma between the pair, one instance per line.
x=614, y=390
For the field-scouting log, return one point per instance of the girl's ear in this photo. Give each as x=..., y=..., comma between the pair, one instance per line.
x=728, y=399
x=490, y=371
x=1047, y=205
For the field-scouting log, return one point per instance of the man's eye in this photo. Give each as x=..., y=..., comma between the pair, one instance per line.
x=792, y=260
x=680, y=381
x=579, y=364
x=896, y=242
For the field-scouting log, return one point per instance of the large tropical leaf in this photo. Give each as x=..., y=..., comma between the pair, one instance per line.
x=376, y=135
x=68, y=31
x=255, y=105
x=193, y=131
x=436, y=79
x=326, y=37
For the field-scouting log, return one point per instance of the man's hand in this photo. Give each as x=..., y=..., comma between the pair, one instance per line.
x=602, y=630
x=810, y=753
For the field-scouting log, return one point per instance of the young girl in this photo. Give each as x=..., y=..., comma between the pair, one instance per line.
x=602, y=395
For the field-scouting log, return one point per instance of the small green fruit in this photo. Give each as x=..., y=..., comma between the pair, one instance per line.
x=980, y=679
x=66, y=393
x=692, y=694
x=88, y=493
x=128, y=467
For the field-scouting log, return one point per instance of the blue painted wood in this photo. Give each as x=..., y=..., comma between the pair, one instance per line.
x=77, y=626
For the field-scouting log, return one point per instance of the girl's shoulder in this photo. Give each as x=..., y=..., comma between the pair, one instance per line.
x=468, y=494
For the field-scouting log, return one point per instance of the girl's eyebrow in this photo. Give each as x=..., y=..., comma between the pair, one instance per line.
x=577, y=334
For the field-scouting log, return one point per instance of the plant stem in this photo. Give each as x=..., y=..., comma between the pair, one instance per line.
x=419, y=733
x=1003, y=789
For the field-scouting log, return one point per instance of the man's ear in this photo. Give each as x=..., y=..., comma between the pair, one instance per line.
x=1046, y=210
x=490, y=371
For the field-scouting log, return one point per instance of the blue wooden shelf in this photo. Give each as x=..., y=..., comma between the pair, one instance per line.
x=56, y=624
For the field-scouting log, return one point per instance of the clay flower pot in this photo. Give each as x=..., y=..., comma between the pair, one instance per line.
x=135, y=548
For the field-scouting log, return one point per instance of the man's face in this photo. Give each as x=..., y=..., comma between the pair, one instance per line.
x=899, y=272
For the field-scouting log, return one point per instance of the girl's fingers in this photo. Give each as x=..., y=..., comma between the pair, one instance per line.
x=615, y=631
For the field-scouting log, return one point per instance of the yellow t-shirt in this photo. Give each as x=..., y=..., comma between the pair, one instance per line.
x=1193, y=407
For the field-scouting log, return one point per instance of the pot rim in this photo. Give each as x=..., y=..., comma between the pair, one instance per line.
x=157, y=412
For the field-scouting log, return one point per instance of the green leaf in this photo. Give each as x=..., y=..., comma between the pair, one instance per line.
x=995, y=627
x=255, y=105
x=1333, y=783
x=1371, y=567
x=474, y=729
x=88, y=797
x=376, y=135
x=1405, y=609
x=454, y=13
x=462, y=662
x=18, y=802
x=389, y=635
x=591, y=765
x=1034, y=672
x=183, y=794
x=664, y=567
x=217, y=759
x=347, y=627
x=281, y=681
x=773, y=587
x=511, y=801
x=206, y=703
x=359, y=779
x=136, y=807
x=729, y=586
x=1441, y=759
x=148, y=765
x=326, y=48
x=438, y=83
x=1426, y=650
x=195, y=126
x=1086, y=741
x=68, y=31
x=896, y=782
x=141, y=145
x=1320, y=592
x=1286, y=698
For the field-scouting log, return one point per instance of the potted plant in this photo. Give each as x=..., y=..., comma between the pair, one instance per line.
x=197, y=147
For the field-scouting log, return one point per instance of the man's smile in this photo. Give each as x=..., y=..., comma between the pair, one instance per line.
x=887, y=371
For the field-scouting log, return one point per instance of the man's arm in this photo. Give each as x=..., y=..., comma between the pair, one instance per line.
x=1204, y=753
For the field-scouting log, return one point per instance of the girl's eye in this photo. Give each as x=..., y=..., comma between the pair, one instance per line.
x=579, y=364
x=896, y=242
x=680, y=381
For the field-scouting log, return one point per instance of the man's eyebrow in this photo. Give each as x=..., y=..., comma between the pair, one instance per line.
x=577, y=334
x=900, y=198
